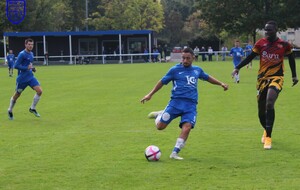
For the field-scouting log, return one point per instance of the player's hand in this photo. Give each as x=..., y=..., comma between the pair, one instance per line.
x=225, y=86
x=145, y=99
x=295, y=81
x=33, y=70
x=234, y=72
x=30, y=66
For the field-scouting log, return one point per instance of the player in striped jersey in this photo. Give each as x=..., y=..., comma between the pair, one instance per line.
x=271, y=50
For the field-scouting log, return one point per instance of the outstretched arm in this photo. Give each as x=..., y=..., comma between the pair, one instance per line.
x=244, y=62
x=152, y=92
x=292, y=63
x=213, y=80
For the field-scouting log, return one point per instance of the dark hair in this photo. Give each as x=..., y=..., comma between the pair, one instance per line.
x=272, y=22
x=28, y=40
x=188, y=50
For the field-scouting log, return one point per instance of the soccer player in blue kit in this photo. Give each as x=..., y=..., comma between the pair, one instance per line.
x=10, y=60
x=237, y=54
x=184, y=97
x=25, y=78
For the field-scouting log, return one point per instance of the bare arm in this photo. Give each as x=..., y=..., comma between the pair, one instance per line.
x=292, y=63
x=246, y=61
x=152, y=92
x=212, y=80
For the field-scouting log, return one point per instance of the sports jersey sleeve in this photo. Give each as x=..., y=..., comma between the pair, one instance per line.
x=241, y=51
x=257, y=47
x=203, y=76
x=18, y=64
x=168, y=77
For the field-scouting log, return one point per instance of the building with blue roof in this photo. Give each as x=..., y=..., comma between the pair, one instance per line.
x=81, y=43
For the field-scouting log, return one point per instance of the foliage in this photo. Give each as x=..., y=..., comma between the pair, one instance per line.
x=176, y=13
x=129, y=14
x=48, y=15
x=245, y=17
x=61, y=17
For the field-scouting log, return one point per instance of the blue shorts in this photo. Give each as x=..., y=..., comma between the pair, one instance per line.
x=32, y=83
x=10, y=65
x=187, y=110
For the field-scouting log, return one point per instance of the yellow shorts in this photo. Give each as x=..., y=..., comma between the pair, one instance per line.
x=275, y=82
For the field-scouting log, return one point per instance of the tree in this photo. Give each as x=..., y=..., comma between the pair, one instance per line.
x=174, y=29
x=245, y=17
x=128, y=15
x=176, y=13
x=61, y=17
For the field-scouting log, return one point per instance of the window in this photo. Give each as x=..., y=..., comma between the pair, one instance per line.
x=137, y=45
x=88, y=46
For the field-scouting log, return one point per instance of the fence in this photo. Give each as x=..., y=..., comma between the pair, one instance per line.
x=120, y=58
x=97, y=59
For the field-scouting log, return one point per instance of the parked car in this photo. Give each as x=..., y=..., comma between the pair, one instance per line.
x=177, y=50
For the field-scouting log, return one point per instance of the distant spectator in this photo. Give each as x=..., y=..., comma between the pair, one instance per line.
x=46, y=58
x=210, y=53
x=203, y=53
x=160, y=50
x=196, y=52
x=165, y=52
x=155, y=55
x=104, y=52
x=146, y=56
x=224, y=50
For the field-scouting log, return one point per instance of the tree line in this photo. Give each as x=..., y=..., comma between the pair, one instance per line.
x=176, y=22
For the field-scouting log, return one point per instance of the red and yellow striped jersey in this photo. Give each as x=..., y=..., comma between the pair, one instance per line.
x=271, y=56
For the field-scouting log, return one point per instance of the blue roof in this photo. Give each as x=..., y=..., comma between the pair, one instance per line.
x=80, y=33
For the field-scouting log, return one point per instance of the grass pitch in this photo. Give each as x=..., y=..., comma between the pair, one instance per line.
x=93, y=131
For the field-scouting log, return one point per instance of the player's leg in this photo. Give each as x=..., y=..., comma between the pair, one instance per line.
x=270, y=111
x=238, y=78
x=181, y=140
x=36, y=99
x=165, y=117
x=38, y=89
x=9, y=71
x=274, y=88
x=262, y=116
x=154, y=114
x=266, y=113
x=12, y=103
x=262, y=90
x=188, y=120
x=19, y=89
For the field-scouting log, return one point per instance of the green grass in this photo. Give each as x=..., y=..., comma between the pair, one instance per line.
x=93, y=132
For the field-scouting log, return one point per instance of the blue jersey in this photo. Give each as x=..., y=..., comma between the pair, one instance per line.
x=10, y=59
x=248, y=49
x=23, y=60
x=237, y=54
x=185, y=81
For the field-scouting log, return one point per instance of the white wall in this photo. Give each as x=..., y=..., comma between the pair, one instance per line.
x=290, y=35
